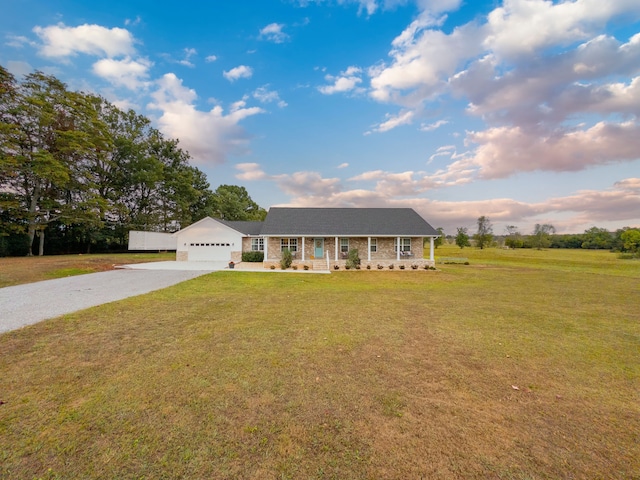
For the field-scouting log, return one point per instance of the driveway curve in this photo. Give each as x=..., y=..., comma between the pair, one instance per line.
x=23, y=305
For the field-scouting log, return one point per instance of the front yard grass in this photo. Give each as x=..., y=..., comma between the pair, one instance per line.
x=499, y=369
x=20, y=270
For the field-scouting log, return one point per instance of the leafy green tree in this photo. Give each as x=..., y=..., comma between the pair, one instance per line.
x=514, y=237
x=43, y=152
x=631, y=239
x=541, y=237
x=439, y=240
x=231, y=202
x=462, y=238
x=597, y=238
x=484, y=236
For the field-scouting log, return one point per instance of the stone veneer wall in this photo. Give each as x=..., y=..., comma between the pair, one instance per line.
x=182, y=256
x=385, y=254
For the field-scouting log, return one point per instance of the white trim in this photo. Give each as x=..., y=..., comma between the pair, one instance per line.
x=303, y=249
x=368, y=249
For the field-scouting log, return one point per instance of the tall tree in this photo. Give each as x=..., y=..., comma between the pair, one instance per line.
x=541, y=237
x=46, y=148
x=484, y=236
x=514, y=238
x=231, y=202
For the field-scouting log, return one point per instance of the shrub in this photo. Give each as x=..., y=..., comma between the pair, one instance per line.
x=336, y=267
x=353, y=260
x=295, y=267
x=368, y=267
x=252, y=256
x=306, y=267
x=401, y=267
x=391, y=266
x=380, y=267
x=273, y=267
x=287, y=259
x=414, y=266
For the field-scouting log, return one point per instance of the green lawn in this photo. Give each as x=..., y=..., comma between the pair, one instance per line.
x=521, y=365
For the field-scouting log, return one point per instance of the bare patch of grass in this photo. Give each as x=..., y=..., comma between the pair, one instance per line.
x=470, y=372
x=19, y=270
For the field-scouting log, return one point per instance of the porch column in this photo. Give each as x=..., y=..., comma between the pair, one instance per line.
x=336, y=249
x=266, y=248
x=398, y=249
x=431, y=249
x=303, y=249
x=368, y=249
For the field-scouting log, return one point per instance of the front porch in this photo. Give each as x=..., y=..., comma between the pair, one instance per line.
x=327, y=252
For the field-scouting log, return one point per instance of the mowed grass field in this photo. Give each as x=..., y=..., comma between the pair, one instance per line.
x=521, y=365
x=20, y=270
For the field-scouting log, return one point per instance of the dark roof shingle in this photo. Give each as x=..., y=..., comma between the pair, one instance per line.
x=283, y=221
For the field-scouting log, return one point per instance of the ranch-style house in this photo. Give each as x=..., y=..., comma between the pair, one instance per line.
x=317, y=237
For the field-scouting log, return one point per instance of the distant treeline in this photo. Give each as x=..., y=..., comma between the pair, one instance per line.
x=622, y=240
x=82, y=173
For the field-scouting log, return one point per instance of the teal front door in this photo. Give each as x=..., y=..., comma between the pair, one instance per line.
x=318, y=250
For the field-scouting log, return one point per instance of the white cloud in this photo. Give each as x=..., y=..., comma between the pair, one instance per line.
x=342, y=165
x=19, y=41
x=347, y=81
x=264, y=95
x=250, y=172
x=241, y=71
x=504, y=151
x=210, y=58
x=433, y=126
x=134, y=22
x=273, y=33
x=188, y=53
x=129, y=73
x=60, y=41
x=403, y=118
x=526, y=26
x=208, y=136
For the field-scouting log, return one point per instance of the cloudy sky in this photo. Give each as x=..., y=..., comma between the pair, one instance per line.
x=525, y=111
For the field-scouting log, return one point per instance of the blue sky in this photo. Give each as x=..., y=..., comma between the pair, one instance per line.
x=525, y=111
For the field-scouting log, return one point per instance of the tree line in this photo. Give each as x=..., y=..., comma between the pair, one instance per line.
x=625, y=239
x=80, y=172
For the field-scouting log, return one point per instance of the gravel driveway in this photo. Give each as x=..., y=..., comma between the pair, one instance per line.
x=31, y=303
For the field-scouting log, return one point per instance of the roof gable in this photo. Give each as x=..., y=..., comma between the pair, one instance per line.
x=208, y=221
x=283, y=221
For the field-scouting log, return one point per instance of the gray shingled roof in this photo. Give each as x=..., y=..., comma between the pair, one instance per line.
x=403, y=222
x=248, y=228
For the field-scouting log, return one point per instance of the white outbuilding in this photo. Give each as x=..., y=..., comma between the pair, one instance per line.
x=210, y=240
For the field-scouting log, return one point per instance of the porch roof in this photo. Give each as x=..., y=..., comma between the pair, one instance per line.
x=403, y=222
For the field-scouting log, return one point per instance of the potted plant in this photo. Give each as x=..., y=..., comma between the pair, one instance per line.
x=231, y=264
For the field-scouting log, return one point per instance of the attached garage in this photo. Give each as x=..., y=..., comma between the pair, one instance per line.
x=209, y=251
x=207, y=240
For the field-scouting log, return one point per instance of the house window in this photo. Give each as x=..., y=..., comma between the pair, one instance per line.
x=257, y=244
x=374, y=245
x=344, y=245
x=289, y=243
x=405, y=244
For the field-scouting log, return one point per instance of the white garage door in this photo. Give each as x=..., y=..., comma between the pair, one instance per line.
x=208, y=252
